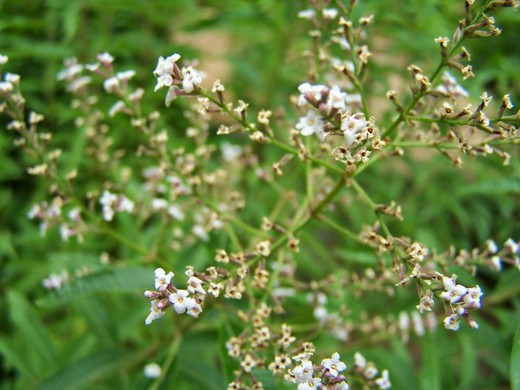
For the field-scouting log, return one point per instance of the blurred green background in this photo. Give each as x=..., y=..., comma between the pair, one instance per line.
x=98, y=341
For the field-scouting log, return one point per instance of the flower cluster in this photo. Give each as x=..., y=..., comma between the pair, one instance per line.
x=368, y=372
x=180, y=81
x=113, y=203
x=182, y=301
x=329, y=111
x=326, y=375
x=461, y=301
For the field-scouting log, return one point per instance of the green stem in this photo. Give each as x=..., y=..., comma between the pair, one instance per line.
x=340, y=229
x=443, y=63
x=172, y=353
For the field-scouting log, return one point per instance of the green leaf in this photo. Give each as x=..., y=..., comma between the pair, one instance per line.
x=118, y=280
x=15, y=356
x=469, y=357
x=35, y=335
x=92, y=368
x=515, y=362
x=430, y=371
x=510, y=185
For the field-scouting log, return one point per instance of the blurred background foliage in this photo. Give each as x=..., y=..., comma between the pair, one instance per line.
x=97, y=340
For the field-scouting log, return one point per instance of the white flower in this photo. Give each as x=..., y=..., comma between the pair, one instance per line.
x=330, y=13
x=313, y=383
x=164, y=71
x=155, y=312
x=195, y=285
x=214, y=289
x=191, y=80
x=125, y=204
x=6, y=87
x=341, y=386
x=171, y=95
x=105, y=58
x=496, y=263
x=152, y=370
x=111, y=84
x=320, y=313
x=164, y=80
x=359, y=360
x=418, y=323
x=118, y=106
x=336, y=99
x=126, y=75
x=306, y=14
x=334, y=366
x=472, y=298
x=175, y=212
x=162, y=279
x=229, y=151
x=311, y=123
x=384, y=382
x=3, y=59
x=304, y=371
x=314, y=92
x=194, y=311
x=12, y=78
x=451, y=322
x=512, y=246
x=181, y=301
x=159, y=204
x=450, y=86
x=351, y=125
x=165, y=65
x=454, y=292
x=491, y=246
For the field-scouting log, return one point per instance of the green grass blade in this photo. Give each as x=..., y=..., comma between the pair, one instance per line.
x=515, y=361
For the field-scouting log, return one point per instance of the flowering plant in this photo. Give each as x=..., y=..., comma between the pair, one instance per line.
x=276, y=240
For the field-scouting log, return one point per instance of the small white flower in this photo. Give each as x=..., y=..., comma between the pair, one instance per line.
x=307, y=14
x=118, y=106
x=6, y=87
x=12, y=78
x=105, y=58
x=491, y=246
x=194, y=311
x=111, y=84
x=195, y=285
x=126, y=75
x=334, y=366
x=341, y=386
x=496, y=263
x=451, y=322
x=454, y=292
x=171, y=95
x=175, y=212
x=512, y=246
x=313, y=383
x=155, y=312
x=418, y=323
x=472, y=298
x=181, y=301
x=310, y=124
x=152, y=370
x=304, y=371
x=192, y=79
x=336, y=99
x=3, y=59
x=351, y=125
x=384, y=382
x=330, y=13
x=359, y=360
x=162, y=279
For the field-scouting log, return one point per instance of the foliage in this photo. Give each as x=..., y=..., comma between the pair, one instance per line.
x=340, y=238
